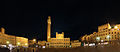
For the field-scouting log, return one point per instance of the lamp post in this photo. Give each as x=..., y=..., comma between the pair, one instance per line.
x=98, y=39
x=7, y=42
x=26, y=44
x=18, y=43
x=115, y=27
x=108, y=37
x=34, y=40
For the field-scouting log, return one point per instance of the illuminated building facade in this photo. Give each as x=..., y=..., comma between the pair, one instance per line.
x=21, y=41
x=42, y=43
x=32, y=43
x=105, y=32
x=6, y=39
x=59, y=41
x=75, y=43
x=89, y=38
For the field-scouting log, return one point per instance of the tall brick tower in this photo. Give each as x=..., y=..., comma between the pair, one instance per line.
x=48, y=28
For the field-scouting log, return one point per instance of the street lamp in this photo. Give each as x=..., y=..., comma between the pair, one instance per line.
x=110, y=27
x=115, y=27
x=102, y=40
x=108, y=36
x=97, y=38
x=26, y=44
x=18, y=43
x=34, y=40
x=7, y=42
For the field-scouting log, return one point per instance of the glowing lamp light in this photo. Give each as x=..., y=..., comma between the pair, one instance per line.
x=10, y=46
x=26, y=44
x=108, y=36
x=7, y=42
x=110, y=27
x=98, y=38
x=102, y=40
x=48, y=37
x=3, y=45
x=36, y=45
x=115, y=27
x=34, y=39
x=43, y=47
x=93, y=44
x=18, y=43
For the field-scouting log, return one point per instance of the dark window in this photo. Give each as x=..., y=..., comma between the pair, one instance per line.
x=85, y=38
x=112, y=36
x=115, y=32
x=115, y=36
x=112, y=32
x=118, y=33
x=106, y=28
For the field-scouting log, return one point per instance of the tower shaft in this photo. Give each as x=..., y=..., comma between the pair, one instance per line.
x=48, y=28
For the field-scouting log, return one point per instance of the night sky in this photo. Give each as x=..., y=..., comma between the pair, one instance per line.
x=74, y=17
